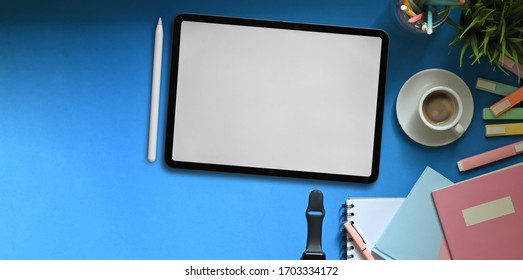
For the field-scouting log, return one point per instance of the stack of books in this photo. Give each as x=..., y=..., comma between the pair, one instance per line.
x=440, y=219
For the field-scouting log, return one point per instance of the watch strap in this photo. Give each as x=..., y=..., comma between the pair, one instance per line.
x=315, y=213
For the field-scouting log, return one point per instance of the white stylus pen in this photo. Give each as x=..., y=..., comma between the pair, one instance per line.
x=155, y=92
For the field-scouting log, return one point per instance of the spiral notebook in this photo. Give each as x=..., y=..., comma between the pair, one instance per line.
x=370, y=215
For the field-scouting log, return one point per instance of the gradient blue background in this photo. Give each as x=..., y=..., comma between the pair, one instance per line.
x=75, y=79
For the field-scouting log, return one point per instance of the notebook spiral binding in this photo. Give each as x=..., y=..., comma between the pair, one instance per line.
x=345, y=239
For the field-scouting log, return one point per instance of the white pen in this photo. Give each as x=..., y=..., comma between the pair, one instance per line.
x=155, y=92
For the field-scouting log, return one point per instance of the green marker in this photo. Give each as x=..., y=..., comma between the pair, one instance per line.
x=494, y=87
x=511, y=114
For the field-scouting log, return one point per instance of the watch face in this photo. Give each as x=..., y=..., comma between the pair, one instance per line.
x=313, y=256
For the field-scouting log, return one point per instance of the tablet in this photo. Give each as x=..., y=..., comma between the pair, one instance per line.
x=276, y=98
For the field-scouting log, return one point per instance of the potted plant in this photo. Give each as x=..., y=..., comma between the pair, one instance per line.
x=491, y=29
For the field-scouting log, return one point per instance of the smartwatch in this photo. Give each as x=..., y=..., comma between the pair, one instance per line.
x=314, y=213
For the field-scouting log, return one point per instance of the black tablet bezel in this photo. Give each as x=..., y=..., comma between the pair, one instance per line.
x=279, y=25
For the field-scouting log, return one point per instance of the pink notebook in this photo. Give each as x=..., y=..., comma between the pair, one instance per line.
x=482, y=218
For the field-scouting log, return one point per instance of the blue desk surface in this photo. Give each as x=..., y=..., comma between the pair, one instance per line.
x=75, y=79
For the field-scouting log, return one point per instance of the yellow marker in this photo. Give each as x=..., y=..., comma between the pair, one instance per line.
x=407, y=3
x=408, y=11
x=504, y=129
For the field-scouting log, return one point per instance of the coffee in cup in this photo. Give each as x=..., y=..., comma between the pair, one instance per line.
x=440, y=109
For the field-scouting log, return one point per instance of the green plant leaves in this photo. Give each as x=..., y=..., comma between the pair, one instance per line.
x=491, y=28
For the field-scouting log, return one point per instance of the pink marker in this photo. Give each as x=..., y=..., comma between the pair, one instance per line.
x=490, y=156
x=416, y=18
x=356, y=237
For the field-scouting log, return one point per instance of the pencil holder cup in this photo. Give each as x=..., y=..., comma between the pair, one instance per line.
x=419, y=19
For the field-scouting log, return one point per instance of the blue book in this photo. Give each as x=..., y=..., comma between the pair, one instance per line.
x=414, y=232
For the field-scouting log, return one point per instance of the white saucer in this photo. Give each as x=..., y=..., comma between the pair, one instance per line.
x=407, y=105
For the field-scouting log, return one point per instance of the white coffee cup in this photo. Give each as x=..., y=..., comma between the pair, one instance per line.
x=440, y=108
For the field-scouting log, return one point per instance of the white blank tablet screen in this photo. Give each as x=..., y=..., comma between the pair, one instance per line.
x=276, y=98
